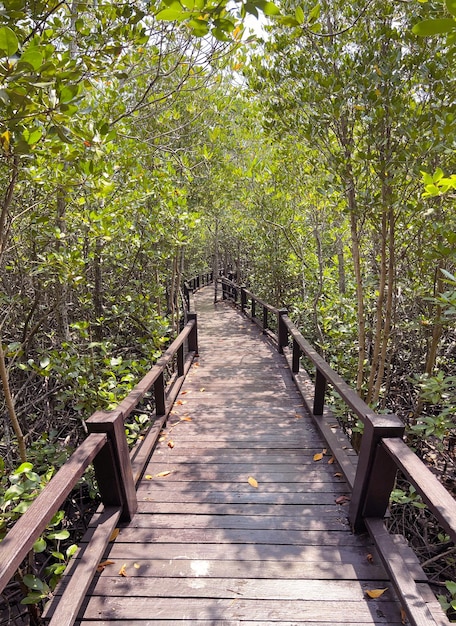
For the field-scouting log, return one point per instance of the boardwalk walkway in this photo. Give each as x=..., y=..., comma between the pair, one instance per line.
x=207, y=547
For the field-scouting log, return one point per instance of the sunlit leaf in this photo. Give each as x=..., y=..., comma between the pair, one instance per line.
x=8, y=41
x=318, y=456
x=123, y=570
x=376, y=593
x=342, y=500
x=171, y=444
x=252, y=482
x=161, y=474
x=103, y=564
x=434, y=27
x=148, y=477
x=114, y=534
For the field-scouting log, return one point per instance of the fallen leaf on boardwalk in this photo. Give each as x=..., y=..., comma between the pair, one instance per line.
x=103, y=564
x=376, y=593
x=318, y=456
x=196, y=364
x=338, y=475
x=123, y=570
x=171, y=444
x=136, y=565
x=181, y=402
x=148, y=477
x=186, y=391
x=370, y=558
x=297, y=415
x=253, y=482
x=161, y=439
x=114, y=534
x=161, y=474
x=403, y=616
x=324, y=450
x=331, y=461
x=342, y=500
x=174, y=413
x=202, y=389
x=186, y=419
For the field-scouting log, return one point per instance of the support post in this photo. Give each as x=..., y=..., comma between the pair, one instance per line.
x=282, y=330
x=265, y=319
x=193, y=336
x=376, y=471
x=296, y=357
x=112, y=464
x=159, y=395
x=180, y=360
x=319, y=394
x=253, y=308
x=243, y=300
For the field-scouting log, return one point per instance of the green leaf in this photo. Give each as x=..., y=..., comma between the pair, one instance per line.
x=438, y=174
x=71, y=550
x=58, y=535
x=23, y=468
x=39, y=545
x=451, y=586
x=32, y=136
x=268, y=8
x=434, y=27
x=173, y=14
x=32, y=58
x=299, y=15
x=315, y=13
x=8, y=41
x=33, y=582
x=451, y=6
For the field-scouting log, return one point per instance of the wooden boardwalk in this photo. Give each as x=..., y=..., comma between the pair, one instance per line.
x=207, y=546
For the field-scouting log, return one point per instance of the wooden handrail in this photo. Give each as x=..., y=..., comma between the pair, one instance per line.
x=106, y=447
x=20, y=539
x=383, y=452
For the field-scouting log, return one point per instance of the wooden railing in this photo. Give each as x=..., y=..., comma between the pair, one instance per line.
x=193, y=284
x=117, y=471
x=383, y=451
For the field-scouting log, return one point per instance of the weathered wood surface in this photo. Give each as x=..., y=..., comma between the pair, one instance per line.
x=208, y=548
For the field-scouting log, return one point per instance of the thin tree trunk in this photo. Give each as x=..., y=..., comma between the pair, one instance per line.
x=10, y=406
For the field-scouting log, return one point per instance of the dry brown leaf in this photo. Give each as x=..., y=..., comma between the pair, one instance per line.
x=136, y=565
x=403, y=616
x=148, y=477
x=376, y=593
x=123, y=570
x=338, y=475
x=196, y=364
x=186, y=419
x=161, y=439
x=298, y=415
x=252, y=482
x=202, y=389
x=181, y=402
x=162, y=474
x=324, y=450
x=318, y=456
x=171, y=444
x=342, y=500
x=370, y=558
x=331, y=461
x=103, y=564
x=114, y=534
x=186, y=391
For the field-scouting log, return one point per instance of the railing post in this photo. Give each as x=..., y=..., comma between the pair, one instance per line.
x=253, y=308
x=112, y=464
x=193, y=336
x=180, y=360
x=319, y=394
x=282, y=330
x=376, y=472
x=243, y=300
x=265, y=319
x=296, y=357
x=160, y=395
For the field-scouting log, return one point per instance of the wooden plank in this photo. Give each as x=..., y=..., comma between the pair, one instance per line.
x=207, y=508
x=213, y=587
x=357, y=550
x=223, y=497
x=329, y=533
x=306, y=521
x=71, y=596
x=118, y=608
x=256, y=570
x=406, y=588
